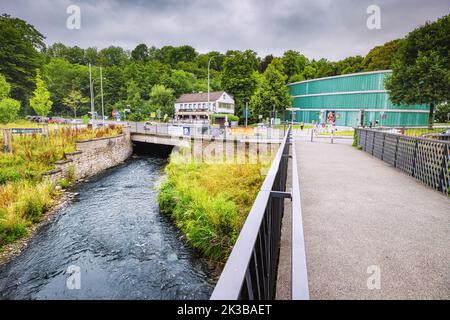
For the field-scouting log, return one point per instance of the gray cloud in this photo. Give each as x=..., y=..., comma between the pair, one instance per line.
x=333, y=29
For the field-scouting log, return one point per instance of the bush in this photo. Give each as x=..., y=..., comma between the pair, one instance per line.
x=210, y=202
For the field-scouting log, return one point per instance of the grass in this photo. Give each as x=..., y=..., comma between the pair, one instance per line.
x=417, y=132
x=24, y=197
x=210, y=202
x=338, y=133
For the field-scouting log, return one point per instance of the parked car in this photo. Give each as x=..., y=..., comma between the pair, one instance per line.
x=76, y=121
x=57, y=120
x=148, y=125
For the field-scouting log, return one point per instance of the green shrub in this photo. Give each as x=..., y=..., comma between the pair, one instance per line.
x=210, y=202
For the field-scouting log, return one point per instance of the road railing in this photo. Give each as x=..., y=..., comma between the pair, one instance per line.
x=251, y=269
x=425, y=159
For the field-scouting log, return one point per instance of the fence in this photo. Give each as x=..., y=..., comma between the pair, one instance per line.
x=425, y=159
x=435, y=133
x=206, y=131
x=251, y=270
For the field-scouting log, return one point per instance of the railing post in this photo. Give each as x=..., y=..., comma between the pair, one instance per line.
x=396, y=151
x=382, y=149
x=365, y=141
x=7, y=140
x=443, y=187
x=416, y=146
x=373, y=142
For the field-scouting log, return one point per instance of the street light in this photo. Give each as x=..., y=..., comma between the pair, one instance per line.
x=101, y=89
x=92, y=94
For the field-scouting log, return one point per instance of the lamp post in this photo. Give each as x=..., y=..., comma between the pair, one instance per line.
x=92, y=94
x=101, y=89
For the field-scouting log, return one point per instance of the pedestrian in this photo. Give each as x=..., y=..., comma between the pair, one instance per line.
x=370, y=124
x=302, y=125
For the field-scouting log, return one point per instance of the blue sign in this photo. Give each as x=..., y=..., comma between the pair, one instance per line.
x=187, y=131
x=118, y=115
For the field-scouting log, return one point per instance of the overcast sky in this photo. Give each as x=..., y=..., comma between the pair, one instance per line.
x=332, y=29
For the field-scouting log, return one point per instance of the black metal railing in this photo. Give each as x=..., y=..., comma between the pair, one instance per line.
x=251, y=270
x=425, y=159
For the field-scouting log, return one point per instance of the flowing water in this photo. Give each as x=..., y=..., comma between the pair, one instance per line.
x=111, y=242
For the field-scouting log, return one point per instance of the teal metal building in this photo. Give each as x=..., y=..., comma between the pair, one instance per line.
x=352, y=100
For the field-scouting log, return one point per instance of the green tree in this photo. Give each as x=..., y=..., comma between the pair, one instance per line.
x=5, y=88
x=265, y=63
x=421, y=67
x=62, y=77
x=349, y=65
x=380, y=57
x=180, y=81
x=140, y=53
x=162, y=98
x=134, y=99
x=271, y=93
x=20, y=45
x=238, y=78
x=294, y=63
x=74, y=99
x=9, y=108
x=308, y=73
x=40, y=102
x=112, y=56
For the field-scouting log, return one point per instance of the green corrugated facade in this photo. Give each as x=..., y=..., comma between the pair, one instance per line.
x=351, y=97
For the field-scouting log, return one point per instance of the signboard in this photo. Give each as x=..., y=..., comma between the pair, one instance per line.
x=216, y=132
x=186, y=131
x=152, y=115
x=276, y=121
x=175, y=131
x=26, y=130
x=118, y=115
x=330, y=117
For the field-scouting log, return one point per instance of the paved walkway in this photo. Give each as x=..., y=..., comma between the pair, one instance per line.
x=358, y=211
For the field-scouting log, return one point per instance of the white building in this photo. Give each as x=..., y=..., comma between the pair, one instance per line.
x=194, y=108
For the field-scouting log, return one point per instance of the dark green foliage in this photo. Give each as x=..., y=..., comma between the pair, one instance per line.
x=20, y=45
x=421, y=67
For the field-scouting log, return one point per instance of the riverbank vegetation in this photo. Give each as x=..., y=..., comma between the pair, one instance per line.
x=24, y=196
x=210, y=201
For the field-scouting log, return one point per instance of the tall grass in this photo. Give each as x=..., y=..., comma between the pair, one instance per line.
x=210, y=201
x=24, y=197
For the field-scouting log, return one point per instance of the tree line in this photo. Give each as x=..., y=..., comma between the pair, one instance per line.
x=147, y=78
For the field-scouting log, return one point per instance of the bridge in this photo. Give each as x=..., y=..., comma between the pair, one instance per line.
x=363, y=226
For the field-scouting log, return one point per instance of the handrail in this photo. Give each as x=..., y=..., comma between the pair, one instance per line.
x=300, y=288
x=250, y=272
x=404, y=135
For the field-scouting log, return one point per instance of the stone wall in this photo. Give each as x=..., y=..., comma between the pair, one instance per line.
x=92, y=157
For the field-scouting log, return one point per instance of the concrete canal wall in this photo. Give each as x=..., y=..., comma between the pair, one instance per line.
x=92, y=157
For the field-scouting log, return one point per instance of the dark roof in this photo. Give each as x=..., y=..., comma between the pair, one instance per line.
x=199, y=97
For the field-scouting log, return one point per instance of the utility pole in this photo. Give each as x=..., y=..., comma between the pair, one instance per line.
x=246, y=114
x=101, y=89
x=92, y=94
